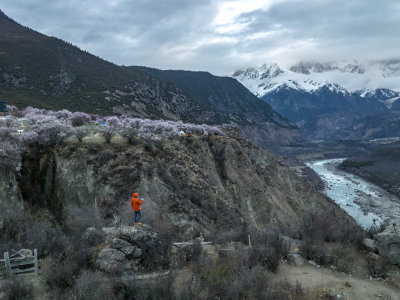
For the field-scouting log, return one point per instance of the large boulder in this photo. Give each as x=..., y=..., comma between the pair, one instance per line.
x=130, y=248
x=388, y=243
x=111, y=261
x=127, y=248
x=370, y=245
x=137, y=235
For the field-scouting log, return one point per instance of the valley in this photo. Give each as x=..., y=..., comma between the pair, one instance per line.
x=262, y=185
x=361, y=199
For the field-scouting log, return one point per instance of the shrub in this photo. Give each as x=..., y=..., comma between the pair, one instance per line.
x=377, y=266
x=155, y=254
x=92, y=285
x=93, y=147
x=343, y=257
x=267, y=250
x=217, y=276
x=190, y=253
x=60, y=274
x=105, y=156
x=229, y=277
x=161, y=288
x=65, y=265
x=233, y=235
x=315, y=251
x=16, y=289
x=323, y=225
x=337, y=254
x=21, y=230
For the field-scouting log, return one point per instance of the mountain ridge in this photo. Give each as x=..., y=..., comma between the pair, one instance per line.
x=311, y=95
x=46, y=72
x=349, y=77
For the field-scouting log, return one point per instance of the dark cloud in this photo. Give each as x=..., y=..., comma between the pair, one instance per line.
x=217, y=35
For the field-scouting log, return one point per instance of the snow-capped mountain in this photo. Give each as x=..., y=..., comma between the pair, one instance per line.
x=312, y=95
x=342, y=78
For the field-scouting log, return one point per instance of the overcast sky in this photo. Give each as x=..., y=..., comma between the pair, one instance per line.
x=219, y=36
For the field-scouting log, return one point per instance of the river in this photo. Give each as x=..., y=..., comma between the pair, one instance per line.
x=362, y=200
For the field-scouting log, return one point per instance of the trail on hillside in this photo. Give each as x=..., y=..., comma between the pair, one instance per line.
x=320, y=279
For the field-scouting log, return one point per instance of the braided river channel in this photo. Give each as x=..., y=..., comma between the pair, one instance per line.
x=362, y=200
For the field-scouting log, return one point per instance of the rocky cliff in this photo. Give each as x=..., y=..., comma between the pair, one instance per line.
x=201, y=183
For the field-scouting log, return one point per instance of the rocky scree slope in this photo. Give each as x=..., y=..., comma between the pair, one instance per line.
x=201, y=184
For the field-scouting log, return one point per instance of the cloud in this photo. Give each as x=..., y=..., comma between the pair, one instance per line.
x=218, y=35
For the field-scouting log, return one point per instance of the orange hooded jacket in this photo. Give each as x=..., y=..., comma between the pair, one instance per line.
x=135, y=202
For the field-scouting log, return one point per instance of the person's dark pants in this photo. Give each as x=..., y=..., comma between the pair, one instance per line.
x=138, y=215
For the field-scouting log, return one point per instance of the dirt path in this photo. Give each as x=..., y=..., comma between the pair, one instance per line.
x=313, y=279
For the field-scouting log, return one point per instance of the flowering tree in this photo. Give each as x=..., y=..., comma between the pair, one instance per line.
x=108, y=130
x=34, y=111
x=29, y=137
x=130, y=129
x=61, y=114
x=9, y=121
x=51, y=127
x=10, y=156
x=12, y=108
x=51, y=131
x=79, y=118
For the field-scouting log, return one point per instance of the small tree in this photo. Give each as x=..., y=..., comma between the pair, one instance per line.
x=111, y=127
x=80, y=133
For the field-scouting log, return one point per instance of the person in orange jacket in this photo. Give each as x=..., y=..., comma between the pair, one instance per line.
x=135, y=202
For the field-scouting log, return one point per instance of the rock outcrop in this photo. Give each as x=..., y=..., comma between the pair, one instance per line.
x=124, y=248
x=388, y=243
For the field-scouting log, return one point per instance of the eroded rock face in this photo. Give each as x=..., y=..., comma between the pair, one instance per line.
x=388, y=243
x=203, y=182
x=10, y=196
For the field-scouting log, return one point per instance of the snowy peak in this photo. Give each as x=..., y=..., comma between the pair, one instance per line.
x=265, y=71
x=311, y=77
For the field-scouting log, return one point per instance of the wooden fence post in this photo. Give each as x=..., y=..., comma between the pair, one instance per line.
x=35, y=261
x=7, y=262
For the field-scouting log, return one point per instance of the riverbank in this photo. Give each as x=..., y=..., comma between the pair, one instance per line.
x=382, y=167
x=362, y=200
